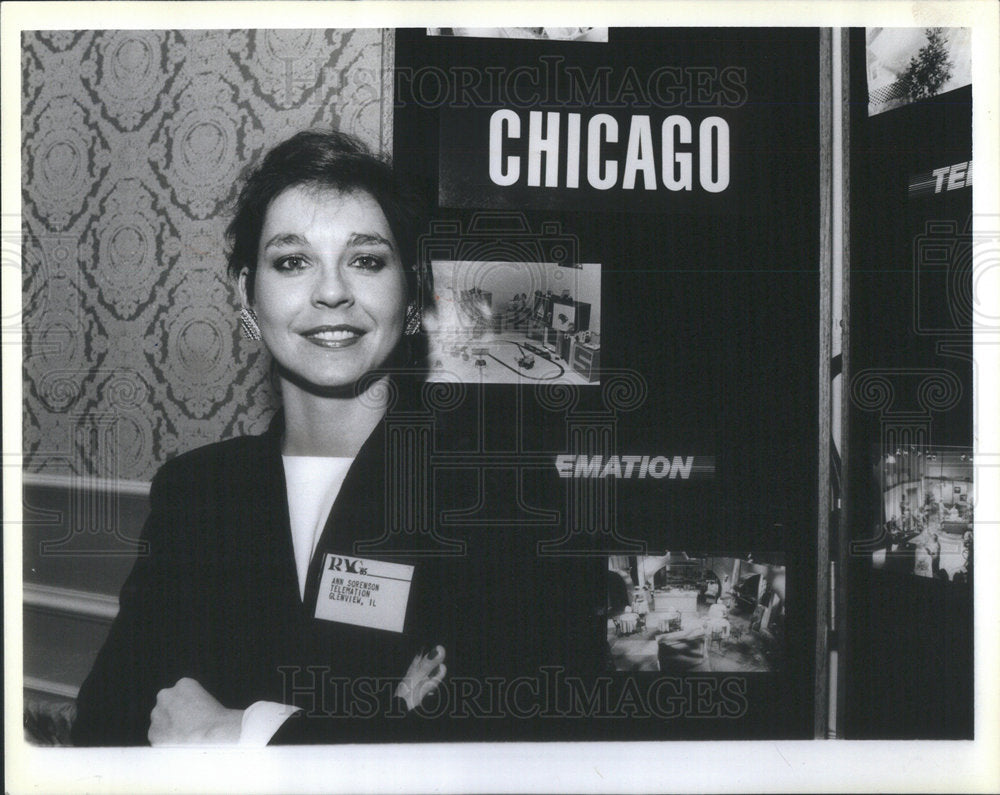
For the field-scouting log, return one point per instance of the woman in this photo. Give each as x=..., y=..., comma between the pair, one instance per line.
x=293, y=590
x=211, y=639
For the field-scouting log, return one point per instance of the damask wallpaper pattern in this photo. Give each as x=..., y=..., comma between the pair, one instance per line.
x=133, y=143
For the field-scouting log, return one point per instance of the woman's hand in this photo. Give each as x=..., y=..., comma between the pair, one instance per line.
x=422, y=677
x=187, y=713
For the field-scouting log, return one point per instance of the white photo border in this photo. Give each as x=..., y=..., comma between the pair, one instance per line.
x=609, y=767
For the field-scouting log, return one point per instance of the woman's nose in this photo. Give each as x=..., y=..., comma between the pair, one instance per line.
x=331, y=288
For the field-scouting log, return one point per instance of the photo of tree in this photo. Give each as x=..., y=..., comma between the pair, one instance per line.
x=910, y=64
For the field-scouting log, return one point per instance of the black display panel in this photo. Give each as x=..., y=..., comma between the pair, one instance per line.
x=911, y=489
x=684, y=424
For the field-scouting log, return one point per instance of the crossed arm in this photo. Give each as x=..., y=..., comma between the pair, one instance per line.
x=187, y=713
x=158, y=639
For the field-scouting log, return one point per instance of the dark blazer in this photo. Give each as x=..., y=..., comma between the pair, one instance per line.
x=216, y=599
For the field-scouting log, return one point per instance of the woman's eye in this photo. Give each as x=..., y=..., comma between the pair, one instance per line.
x=289, y=264
x=368, y=262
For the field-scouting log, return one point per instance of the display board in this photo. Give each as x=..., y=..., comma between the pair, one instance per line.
x=910, y=491
x=625, y=252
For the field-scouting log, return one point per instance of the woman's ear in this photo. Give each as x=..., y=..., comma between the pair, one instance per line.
x=241, y=284
x=249, y=325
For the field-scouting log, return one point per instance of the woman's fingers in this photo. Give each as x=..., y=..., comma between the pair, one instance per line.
x=432, y=679
x=438, y=674
x=426, y=672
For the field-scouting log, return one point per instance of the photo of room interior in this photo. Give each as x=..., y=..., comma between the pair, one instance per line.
x=681, y=612
x=928, y=504
x=515, y=322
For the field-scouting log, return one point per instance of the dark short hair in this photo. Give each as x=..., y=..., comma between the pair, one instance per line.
x=337, y=161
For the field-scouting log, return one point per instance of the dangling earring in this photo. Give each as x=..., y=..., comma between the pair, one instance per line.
x=248, y=324
x=413, y=318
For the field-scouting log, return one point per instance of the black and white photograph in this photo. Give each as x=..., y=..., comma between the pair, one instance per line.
x=681, y=612
x=928, y=504
x=552, y=33
x=908, y=64
x=496, y=397
x=514, y=322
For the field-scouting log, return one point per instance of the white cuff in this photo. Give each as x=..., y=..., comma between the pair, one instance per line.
x=261, y=720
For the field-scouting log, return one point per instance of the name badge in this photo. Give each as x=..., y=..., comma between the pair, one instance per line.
x=365, y=593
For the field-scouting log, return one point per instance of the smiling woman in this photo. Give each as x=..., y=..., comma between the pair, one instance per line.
x=330, y=289
x=320, y=207
x=323, y=252
x=296, y=588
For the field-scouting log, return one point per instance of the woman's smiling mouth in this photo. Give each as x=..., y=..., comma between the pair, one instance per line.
x=333, y=336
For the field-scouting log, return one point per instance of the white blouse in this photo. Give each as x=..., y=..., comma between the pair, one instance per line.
x=312, y=483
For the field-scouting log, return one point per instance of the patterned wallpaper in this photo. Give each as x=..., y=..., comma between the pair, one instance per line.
x=133, y=143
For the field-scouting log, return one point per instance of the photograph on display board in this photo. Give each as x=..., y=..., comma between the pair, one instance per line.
x=928, y=510
x=905, y=65
x=554, y=34
x=681, y=612
x=515, y=322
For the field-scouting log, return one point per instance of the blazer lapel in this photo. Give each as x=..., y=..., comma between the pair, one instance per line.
x=275, y=513
x=357, y=513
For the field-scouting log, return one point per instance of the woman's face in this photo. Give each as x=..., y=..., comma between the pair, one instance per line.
x=330, y=290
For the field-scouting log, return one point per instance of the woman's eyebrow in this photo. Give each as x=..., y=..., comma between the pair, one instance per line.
x=286, y=239
x=368, y=239
x=356, y=239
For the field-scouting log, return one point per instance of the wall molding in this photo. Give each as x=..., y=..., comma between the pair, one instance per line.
x=70, y=602
x=50, y=688
x=138, y=488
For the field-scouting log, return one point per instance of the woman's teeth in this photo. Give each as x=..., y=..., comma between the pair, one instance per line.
x=334, y=336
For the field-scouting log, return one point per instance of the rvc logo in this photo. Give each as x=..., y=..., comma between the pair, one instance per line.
x=347, y=565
